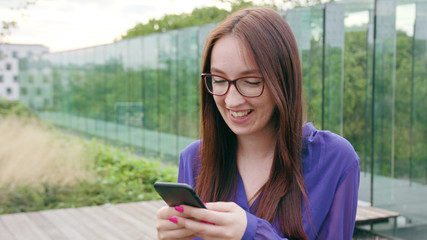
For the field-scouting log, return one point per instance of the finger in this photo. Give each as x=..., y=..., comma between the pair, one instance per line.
x=180, y=233
x=208, y=215
x=197, y=227
x=167, y=225
x=167, y=212
x=221, y=206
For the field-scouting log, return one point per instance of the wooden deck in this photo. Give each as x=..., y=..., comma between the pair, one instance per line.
x=119, y=221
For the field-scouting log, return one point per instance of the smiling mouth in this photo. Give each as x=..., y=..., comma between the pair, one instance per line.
x=240, y=114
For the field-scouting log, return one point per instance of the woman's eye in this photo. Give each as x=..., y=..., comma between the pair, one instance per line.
x=219, y=80
x=252, y=81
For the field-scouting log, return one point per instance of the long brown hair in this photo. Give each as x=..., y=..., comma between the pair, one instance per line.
x=265, y=36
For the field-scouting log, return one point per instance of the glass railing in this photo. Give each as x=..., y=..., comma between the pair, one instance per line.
x=364, y=71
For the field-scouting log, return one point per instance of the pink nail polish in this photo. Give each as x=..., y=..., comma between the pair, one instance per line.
x=179, y=208
x=174, y=220
x=203, y=221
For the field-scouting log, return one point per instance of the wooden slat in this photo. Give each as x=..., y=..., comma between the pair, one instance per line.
x=64, y=222
x=21, y=226
x=46, y=226
x=137, y=227
x=99, y=221
x=5, y=233
x=127, y=230
x=94, y=225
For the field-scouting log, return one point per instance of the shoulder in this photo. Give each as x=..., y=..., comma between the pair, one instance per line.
x=188, y=169
x=190, y=152
x=324, y=149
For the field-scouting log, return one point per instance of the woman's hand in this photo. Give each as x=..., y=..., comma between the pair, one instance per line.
x=222, y=220
x=167, y=227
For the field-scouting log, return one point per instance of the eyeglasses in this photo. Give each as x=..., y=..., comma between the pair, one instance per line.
x=246, y=86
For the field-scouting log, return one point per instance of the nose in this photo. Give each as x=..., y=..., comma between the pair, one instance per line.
x=233, y=97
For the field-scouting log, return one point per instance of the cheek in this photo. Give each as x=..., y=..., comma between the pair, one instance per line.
x=218, y=101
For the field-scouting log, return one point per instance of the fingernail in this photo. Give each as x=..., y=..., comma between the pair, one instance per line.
x=179, y=208
x=203, y=221
x=204, y=203
x=174, y=220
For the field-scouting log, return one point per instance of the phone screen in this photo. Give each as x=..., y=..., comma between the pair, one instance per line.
x=175, y=194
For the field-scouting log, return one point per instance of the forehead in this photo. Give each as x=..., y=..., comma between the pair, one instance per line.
x=231, y=56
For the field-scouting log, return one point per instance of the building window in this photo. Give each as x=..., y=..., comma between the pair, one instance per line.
x=15, y=78
x=1, y=78
x=38, y=92
x=31, y=79
x=30, y=54
x=23, y=91
x=14, y=54
x=8, y=66
x=8, y=91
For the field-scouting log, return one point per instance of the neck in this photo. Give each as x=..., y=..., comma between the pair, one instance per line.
x=259, y=149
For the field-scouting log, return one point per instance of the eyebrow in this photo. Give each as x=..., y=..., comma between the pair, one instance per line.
x=246, y=72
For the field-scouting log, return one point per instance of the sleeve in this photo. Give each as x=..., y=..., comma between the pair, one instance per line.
x=260, y=229
x=340, y=221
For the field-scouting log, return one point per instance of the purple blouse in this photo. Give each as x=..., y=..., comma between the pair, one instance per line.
x=331, y=175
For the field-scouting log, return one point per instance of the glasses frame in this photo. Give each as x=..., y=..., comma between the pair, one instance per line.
x=204, y=75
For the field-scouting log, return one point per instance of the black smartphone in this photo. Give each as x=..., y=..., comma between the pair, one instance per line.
x=175, y=194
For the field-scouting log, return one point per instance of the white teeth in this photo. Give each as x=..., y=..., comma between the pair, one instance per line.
x=240, y=114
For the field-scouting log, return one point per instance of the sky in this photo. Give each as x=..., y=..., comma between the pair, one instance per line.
x=70, y=24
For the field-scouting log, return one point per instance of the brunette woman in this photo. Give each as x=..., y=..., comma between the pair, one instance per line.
x=263, y=173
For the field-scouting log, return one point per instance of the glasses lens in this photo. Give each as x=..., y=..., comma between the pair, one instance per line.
x=250, y=87
x=216, y=85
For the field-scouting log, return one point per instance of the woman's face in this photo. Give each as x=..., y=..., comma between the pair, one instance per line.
x=245, y=116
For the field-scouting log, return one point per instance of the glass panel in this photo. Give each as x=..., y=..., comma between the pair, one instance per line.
x=150, y=93
x=188, y=86
x=91, y=83
x=110, y=71
x=136, y=109
x=99, y=80
x=121, y=96
x=333, y=67
x=357, y=92
x=168, y=86
x=418, y=157
x=310, y=45
x=384, y=86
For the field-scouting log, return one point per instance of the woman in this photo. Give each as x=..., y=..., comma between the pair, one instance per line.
x=263, y=174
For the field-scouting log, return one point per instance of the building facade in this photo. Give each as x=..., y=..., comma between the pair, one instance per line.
x=9, y=66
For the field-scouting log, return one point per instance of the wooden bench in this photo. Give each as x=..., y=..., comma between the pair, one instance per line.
x=370, y=215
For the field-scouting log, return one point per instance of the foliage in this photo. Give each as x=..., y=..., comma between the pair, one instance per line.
x=121, y=177
x=205, y=15
x=15, y=108
x=8, y=25
x=198, y=16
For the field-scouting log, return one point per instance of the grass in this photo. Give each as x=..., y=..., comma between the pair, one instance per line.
x=31, y=154
x=40, y=168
